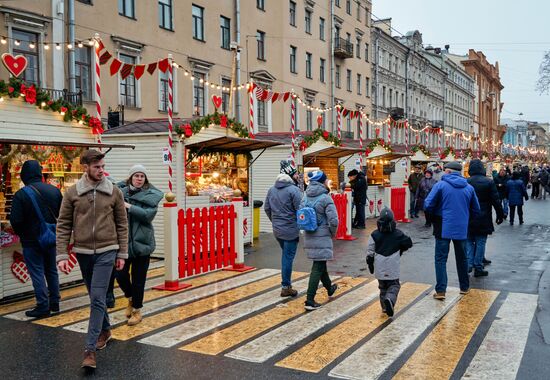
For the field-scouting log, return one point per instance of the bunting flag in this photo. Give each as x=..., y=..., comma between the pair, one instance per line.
x=126, y=70
x=163, y=65
x=286, y=96
x=151, y=68
x=100, y=46
x=139, y=70
x=115, y=66
x=275, y=97
x=104, y=58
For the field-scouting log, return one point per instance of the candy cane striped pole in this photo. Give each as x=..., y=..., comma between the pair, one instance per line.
x=170, y=126
x=389, y=131
x=406, y=126
x=293, y=129
x=361, y=139
x=339, y=121
x=439, y=140
x=251, y=97
x=97, y=84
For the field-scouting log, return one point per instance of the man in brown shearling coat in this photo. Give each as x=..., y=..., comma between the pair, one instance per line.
x=93, y=212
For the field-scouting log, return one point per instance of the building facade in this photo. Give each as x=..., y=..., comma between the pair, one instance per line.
x=319, y=49
x=515, y=135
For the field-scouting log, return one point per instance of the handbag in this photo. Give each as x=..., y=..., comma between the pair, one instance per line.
x=46, y=237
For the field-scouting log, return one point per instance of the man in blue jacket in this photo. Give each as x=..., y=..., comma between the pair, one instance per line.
x=281, y=204
x=451, y=201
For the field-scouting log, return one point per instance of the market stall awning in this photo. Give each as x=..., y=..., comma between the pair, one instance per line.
x=64, y=143
x=237, y=144
x=390, y=156
x=333, y=152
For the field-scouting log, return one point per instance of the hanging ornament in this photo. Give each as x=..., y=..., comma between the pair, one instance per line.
x=319, y=120
x=223, y=121
x=15, y=65
x=217, y=100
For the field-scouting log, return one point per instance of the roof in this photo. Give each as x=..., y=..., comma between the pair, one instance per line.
x=333, y=152
x=64, y=143
x=226, y=143
x=158, y=125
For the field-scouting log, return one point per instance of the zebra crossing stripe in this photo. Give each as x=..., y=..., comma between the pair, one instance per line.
x=189, y=310
x=319, y=353
x=83, y=314
x=276, y=341
x=372, y=359
x=195, y=327
x=500, y=353
x=233, y=335
x=440, y=352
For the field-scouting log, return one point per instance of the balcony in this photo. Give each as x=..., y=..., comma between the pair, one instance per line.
x=397, y=113
x=343, y=48
x=74, y=98
x=437, y=123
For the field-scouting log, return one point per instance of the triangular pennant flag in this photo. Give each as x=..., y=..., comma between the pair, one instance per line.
x=104, y=58
x=286, y=96
x=252, y=87
x=138, y=71
x=264, y=96
x=100, y=46
x=151, y=68
x=275, y=97
x=163, y=65
x=126, y=70
x=115, y=66
x=345, y=113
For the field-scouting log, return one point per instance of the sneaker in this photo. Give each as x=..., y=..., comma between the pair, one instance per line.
x=480, y=273
x=311, y=305
x=289, y=292
x=135, y=318
x=89, y=359
x=110, y=300
x=439, y=295
x=332, y=290
x=521, y=222
x=54, y=308
x=102, y=340
x=35, y=313
x=389, y=307
x=486, y=262
x=464, y=292
x=129, y=308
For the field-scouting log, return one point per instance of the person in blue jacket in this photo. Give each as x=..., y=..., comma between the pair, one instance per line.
x=515, y=190
x=451, y=202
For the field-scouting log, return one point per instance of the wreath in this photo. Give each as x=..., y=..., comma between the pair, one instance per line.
x=316, y=135
x=448, y=150
x=422, y=148
x=378, y=142
x=197, y=125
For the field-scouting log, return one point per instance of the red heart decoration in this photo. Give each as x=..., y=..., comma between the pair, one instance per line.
x=217, y=100
x=319, y=120
x=15, y=65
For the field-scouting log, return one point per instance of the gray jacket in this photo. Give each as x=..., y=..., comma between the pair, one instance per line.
x=385, y=267
x=281, y=203
x=318, y=244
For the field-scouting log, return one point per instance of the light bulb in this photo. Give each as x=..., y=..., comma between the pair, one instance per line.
x=3, y=41
x=80, y=44
x=91, y=42
x=69, y=46
x=32, y=45
x=46, y=47
x=17, y=42
x=57, y=46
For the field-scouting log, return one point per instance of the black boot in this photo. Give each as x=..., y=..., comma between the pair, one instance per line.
x=36, y=313
x=480, y=273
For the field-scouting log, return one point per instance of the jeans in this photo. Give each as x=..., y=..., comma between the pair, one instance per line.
x=388, y=289
x=43, y=271
x=318, y=272
x=359, y=220
x=441, y=255
x=535, y=193
x=289, y=251
x=504, y=202
x=96, y=271
x=412, y=207
x=135, y=287
x=513, y=213
x=475, y=251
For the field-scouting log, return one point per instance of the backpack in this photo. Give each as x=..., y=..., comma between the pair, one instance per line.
x=306, y=217
x=46, y=237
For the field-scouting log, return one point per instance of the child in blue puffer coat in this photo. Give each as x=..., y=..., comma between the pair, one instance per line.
x=516, y=192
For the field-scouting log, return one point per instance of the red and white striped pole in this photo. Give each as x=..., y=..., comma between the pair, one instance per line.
x=406, y=126
x=427, y=136
x=293, y=129
x=170, y=126
x=439, y=142
x=339, y=121
x=389, y=131
x=97, y=83
x=361, y=139
x=251, y=113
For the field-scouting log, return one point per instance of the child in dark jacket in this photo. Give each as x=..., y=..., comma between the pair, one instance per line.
x=384, y=249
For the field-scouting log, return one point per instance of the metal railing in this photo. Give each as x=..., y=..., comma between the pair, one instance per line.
x=74, y=98
x=343, y=48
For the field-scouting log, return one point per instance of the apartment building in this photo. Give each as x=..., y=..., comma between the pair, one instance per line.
x=319, y=49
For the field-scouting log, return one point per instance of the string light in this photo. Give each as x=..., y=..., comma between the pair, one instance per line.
x=17, y=42
x=80, y=44
x=46, y=46
x=58, y=46
x=69, y=46
x=91, y=42
x=3, y=41
x=32, y=45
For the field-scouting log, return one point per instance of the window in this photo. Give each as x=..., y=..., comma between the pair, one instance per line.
x=262, y=114
x=260, y=4
x=308, y=65
x=322, y=70
x=348, y=123
x=358, y=11
x=32, y=72
x=308, y=21
x=293, y=59
x=198, y=95
x=358, y=47
x=260, y=38
x=165, y=14
x=198, y=23
x=367, y=86
x=384, y=96
x=366, y=52
x=83, y=70
x=323, y=106
x=359, y=84
x=348, y=80
x=309, y=117
x=226, y=83
x=128, y=96
x=367, y=16
x=89, y=2
x=337, y=2
x=225, y=29
x=292, y=14
x=126, y=8
x=348, y=37
x=391, y=98
x=337, y=75
x=348, y=7
x=321, y=28
x=163, y=89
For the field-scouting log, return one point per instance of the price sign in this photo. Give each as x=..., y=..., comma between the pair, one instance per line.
x=165, y=156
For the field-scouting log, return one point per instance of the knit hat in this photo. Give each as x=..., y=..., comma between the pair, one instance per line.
x=386, y=222
x=287, y=168
x=454, y=165
x=138, y=168
x=318, y=176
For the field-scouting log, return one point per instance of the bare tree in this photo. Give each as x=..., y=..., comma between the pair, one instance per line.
x=543, y=84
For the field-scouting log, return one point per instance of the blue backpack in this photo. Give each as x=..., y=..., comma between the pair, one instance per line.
x=46, y=237
x=306, y=217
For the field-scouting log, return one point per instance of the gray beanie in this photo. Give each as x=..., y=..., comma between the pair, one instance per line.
x=138, y=168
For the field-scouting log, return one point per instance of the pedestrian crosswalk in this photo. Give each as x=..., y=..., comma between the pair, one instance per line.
x=241, y=316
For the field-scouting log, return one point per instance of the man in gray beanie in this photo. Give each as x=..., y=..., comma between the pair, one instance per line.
x=281, y=203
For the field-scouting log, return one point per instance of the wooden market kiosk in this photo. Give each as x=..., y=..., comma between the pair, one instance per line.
x=29, y=133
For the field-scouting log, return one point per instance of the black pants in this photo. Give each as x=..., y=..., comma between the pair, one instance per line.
x=359, y=220
x=535, y=193
x=318, y=272
x=513, y=212
x=388, y=289
x=136, y=287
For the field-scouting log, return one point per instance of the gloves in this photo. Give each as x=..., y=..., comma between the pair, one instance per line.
x=370, y=263
x=499, y=221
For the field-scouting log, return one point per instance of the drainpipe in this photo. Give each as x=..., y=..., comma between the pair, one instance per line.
x=376, y=64
x=332, y=90
x=407, y=83
x=72, y=67
x=238, y=60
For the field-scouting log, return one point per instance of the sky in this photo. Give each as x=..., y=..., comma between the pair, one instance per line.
x=514, y=33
